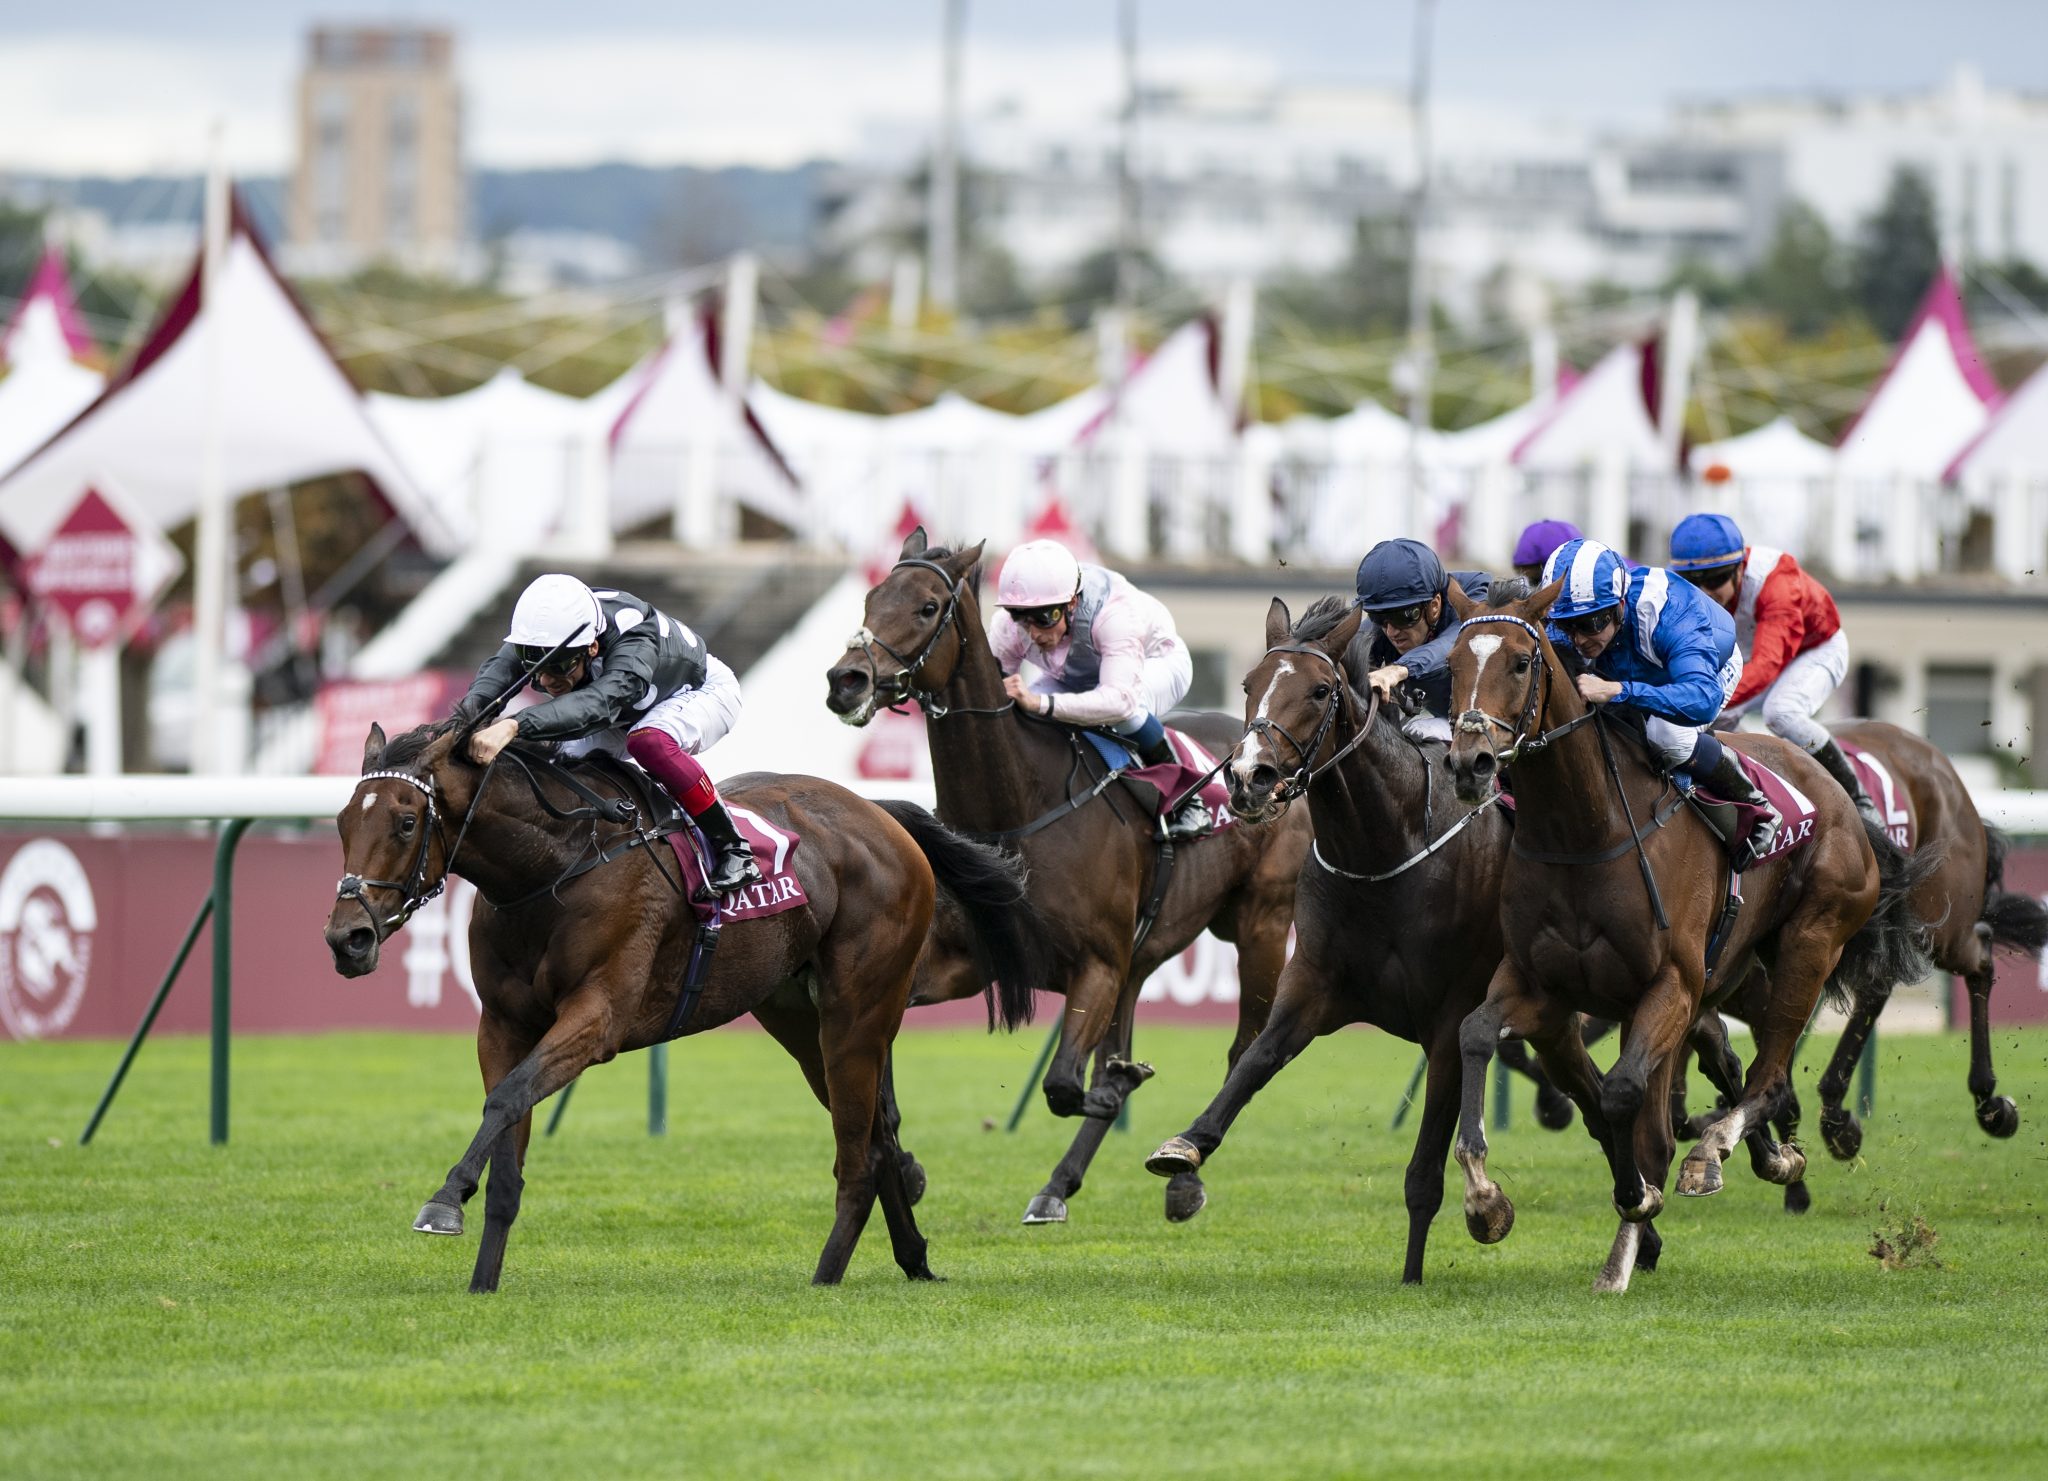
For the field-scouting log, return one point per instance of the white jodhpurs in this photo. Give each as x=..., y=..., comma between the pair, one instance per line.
x=696, y=719
x=1674, y=742
x=1165, y=680
x=1801, y=689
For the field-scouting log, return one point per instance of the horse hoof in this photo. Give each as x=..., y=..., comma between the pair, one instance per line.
x=1490, y=1222
x=1998, y=1115
x=1553, y=1109
x=439, y=1218
x=1842, y=1132
x=1176, y=1155
x=913, y=1179
x=1185, y=1197
x=1065, y=1100
x=1651, y=1206
x=1789, y=1169
x=1135, y=1070
x=1797, y=1199
x=1045, y=1209
x=1698, y=1177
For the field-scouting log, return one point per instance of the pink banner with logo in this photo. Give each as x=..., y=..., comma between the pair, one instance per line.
x=88, y=925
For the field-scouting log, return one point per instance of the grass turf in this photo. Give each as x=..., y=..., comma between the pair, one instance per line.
x=171, y=1309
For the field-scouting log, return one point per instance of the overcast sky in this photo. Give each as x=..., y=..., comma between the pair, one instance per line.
x=127, y=86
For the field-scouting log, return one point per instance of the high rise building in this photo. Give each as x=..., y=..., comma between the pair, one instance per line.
x=379, y=166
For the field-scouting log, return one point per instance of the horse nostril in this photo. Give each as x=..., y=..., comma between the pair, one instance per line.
x=359, y=941
x=1483, y=764
x=1264, y=778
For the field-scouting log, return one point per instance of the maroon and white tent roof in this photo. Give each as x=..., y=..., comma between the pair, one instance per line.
x=49, y=291
x=287, y=411
x=1933, y=400
x=2015, y=441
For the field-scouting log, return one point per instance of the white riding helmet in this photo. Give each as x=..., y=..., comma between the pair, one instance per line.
x=556, y=610
x=1038, y=573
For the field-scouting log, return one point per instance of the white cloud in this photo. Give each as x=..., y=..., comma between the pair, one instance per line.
x=75, y=105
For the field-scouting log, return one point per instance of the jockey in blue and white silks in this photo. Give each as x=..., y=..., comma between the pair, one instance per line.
x=1655, y=644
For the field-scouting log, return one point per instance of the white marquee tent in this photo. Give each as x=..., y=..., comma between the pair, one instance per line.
x=45, y=388
x=1936, y=396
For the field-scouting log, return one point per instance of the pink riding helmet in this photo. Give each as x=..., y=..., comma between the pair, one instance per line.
x=1038, y=573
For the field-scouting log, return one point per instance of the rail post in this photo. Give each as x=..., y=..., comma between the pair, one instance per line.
x=657, y=1090
x=149, y=1014
x=223, y=967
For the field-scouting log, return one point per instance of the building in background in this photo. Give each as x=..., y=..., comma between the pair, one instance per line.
x=378, y=172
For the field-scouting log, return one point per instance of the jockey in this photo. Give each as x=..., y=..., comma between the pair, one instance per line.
x=1536, y=542
x=627, y=680
x=1786, y=623
x=1410, y=628
x=1106, y=654
x=1654, y=644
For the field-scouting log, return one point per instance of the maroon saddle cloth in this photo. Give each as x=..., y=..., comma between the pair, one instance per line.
x=774, y=853
x=1733, y=820
x=1170, y=780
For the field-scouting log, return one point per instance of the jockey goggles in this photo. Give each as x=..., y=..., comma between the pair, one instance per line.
x=1039, y=617
x=1589, y=624
x=558, y=665
x=1712, y=578
x=1409, y=616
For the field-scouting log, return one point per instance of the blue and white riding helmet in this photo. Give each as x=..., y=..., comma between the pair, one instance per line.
x=1595, y=577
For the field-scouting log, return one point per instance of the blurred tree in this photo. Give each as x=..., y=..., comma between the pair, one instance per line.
x=1898, y=254
x=1801, y=276
x=1367, y=294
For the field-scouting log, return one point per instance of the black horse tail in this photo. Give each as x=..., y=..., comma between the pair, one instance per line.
x=2018, y=921
x=1893, y=946
x=988, y=883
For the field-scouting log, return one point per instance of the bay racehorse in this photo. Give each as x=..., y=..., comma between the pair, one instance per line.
x=1612, y=892
x=575, y=964
x=1092, y=849
x=1397, y=915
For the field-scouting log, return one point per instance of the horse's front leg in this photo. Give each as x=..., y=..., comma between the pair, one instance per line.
x=1109, y=1029
x=499, y=1048
x=581, y=1036
x=1510, y=1010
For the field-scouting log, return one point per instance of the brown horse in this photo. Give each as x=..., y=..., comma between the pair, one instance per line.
x=1607, y=910
x=576, y=964
x=1000, y=772
x=1397, y=917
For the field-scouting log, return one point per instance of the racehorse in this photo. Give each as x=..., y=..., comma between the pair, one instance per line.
x=575, y=964
x=1968, y=912
x=1094, y=865
x=1613, y=892
x=1397, y=917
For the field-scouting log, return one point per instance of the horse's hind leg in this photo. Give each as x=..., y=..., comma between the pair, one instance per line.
x=1112, y=1057
x=501, y=1205
x=1839, y=1127
x=892, y=1120
x=1995, y=1113
x=1553, y=1106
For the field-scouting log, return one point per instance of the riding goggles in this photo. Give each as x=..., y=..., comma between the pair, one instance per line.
x=1043, y=618
x=547, y=661
x=1590, y=624
x=1409, y=616
x=1713, y=578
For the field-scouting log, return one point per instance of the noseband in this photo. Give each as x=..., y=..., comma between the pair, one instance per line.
x=1297, y=782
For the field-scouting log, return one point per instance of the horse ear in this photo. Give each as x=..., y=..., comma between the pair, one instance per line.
x=966, y=560
x=1279, y=626
x=1463, y=605
x=1538, y=604
x=913, y=545
x=373, y=746
x=1338, y=638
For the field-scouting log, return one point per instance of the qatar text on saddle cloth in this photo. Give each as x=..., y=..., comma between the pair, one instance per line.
x=1795, y=809
x=774, y=852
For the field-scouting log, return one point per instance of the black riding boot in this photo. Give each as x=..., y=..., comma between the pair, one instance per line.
x=1832, y=757
x=732, y=861
x=1730, y=781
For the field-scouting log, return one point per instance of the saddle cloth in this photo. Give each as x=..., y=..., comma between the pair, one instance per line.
x=775, y=853
x=1732, y=820
x=1169, y=780
x=1884, y=790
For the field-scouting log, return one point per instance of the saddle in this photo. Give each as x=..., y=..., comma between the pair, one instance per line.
x=1162, y=787
x=1731, y=821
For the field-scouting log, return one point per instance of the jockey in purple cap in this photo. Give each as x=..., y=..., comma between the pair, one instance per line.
x=1536, y=543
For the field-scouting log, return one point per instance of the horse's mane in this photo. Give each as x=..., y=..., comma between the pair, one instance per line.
x=401, y=749
x=1507, y=590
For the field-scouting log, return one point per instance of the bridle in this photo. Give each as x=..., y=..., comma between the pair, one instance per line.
x=1535, y=703
x=901, y=687
x=1297, y=782
x=412, y=890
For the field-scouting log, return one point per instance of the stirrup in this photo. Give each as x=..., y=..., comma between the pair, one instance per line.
x=724, y=879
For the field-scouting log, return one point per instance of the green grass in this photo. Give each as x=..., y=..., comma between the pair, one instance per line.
x=171, y=1309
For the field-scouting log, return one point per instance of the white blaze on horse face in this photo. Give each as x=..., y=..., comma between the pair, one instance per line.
x=369, y=801
x=1485, y=648
x=1248, y=748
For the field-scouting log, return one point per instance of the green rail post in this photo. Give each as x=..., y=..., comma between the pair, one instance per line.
x=1031, y=1080
x=561, y=1105
x=1866, y=1075
x=1414, y=1084
x=657, y=1090
x=223, y=966
x=1501, y=1112
x=148, y=1021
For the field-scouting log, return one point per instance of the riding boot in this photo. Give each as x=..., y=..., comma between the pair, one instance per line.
x=1728, y=780
x=732, y=862
x=1832, y=757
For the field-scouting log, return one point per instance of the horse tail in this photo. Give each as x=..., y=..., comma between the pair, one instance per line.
x=1893, y=946
x=2018, y=921
x=988, y=883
